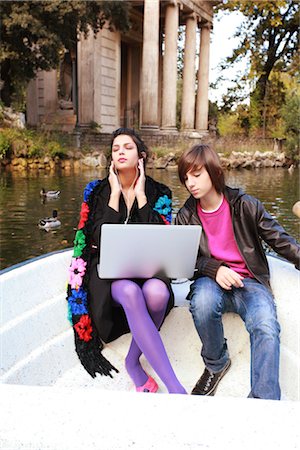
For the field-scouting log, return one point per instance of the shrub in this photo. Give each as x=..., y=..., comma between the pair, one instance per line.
x=54, y=149
x=290, y=114
x=4, y=145
x=228, y=125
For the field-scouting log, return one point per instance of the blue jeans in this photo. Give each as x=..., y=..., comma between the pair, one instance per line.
x=254, y=303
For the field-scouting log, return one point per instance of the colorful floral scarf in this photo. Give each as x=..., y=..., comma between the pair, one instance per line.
x=87, y=341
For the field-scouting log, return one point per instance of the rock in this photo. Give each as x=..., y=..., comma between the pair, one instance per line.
x=161, y=163
x=268, y=163
x=14, y=119
x=281, y=157
x=78, y=154
x=296, y=209
x=89, y=161
x=248, y=164
x=257, y=155
x=150, y=163
x=77, y=165
x=19, y=148
x=102, y=161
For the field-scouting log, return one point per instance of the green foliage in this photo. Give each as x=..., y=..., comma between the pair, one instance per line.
x=30, y=144
x=95, y=126
x=290, y=114
x=54, y=149
x=269, y=36
x=4, y=145
x=34, y=34
x=228, y=125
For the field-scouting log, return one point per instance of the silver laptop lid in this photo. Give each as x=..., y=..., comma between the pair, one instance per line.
x=143, y=250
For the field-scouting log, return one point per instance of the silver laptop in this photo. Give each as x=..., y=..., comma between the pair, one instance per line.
x=143, y=250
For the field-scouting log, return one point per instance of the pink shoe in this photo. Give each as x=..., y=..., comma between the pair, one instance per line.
x=150, y=386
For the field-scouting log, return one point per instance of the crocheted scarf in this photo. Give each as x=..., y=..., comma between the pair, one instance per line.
x=88, y=344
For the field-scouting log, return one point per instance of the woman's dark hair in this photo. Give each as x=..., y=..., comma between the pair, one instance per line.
x=143, y=151
x=202, y=156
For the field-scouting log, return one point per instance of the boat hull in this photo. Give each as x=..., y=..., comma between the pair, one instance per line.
x=41, y=374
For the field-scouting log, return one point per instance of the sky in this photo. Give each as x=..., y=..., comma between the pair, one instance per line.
x=222, y=44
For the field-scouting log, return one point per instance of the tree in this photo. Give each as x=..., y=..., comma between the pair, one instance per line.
x=269, y=35
x=290, y=116
x=35, y=34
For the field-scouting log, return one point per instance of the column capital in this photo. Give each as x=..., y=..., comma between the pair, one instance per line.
x=172, y=3
x=191, y=15
x=205, y=24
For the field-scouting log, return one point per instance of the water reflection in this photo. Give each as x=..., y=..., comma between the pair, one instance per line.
x=21, y=207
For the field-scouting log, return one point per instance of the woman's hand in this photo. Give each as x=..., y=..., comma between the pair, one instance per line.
x=139, y=188
x=227, y=278
x=115, y=188
x=113, y=180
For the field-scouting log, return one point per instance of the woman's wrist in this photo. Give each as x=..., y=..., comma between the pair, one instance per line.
x=114, y=200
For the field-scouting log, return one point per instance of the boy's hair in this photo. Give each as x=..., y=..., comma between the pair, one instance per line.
x=202, y=156
x=143, y=151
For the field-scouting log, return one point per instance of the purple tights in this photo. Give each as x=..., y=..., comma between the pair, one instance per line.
x=145, y=309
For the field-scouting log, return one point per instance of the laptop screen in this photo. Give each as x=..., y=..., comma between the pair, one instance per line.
x=143, y=250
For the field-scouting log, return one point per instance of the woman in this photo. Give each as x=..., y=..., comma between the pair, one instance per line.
x=232, y=272
x=103, y=310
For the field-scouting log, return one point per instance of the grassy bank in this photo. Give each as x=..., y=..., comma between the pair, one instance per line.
x=15, y=143
x=32, y=144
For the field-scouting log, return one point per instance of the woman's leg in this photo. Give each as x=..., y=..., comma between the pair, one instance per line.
x=130, y=296
x=156, y=295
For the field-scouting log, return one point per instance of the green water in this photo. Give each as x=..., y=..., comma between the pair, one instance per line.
x=21, y=206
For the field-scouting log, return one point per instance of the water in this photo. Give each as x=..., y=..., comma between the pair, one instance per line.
x=21, y=206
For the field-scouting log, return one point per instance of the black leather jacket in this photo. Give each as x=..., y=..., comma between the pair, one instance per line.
x=251, y=224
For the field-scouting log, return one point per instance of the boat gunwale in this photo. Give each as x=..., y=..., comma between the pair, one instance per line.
x=31, y=260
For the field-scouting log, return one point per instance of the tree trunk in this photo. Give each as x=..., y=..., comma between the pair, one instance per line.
x=6, y=88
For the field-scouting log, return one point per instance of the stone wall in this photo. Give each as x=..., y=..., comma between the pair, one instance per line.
x=98, y=159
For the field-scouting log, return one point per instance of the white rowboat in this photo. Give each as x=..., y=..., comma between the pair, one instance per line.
x=48, y=401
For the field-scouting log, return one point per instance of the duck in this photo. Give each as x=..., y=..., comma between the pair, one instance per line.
x=49, y=194
x=50, y=223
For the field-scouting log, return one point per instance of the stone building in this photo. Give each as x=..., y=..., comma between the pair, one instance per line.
x=130, y=79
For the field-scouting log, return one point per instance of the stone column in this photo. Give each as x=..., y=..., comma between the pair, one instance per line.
x=188, y=93
x=203, y=80
x=170, y=68
x=86, y=80
x=150, y=63
x=32, y=106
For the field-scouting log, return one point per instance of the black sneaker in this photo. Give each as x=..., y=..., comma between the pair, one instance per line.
x=208, y=382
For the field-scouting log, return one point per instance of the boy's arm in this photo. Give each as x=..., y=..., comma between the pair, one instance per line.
x=276, y=236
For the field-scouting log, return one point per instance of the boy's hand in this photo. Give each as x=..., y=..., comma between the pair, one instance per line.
x=227, y=278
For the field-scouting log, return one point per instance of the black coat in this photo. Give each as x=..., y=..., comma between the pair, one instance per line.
x=110, y=320
x=251, y=224
x=94, y=315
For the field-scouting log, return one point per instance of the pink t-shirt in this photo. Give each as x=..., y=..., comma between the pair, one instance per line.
x=221, y=242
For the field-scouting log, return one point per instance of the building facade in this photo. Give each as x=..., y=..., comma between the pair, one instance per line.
x=130, y=79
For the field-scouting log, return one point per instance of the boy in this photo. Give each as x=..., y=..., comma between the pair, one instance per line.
x=232, y=272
